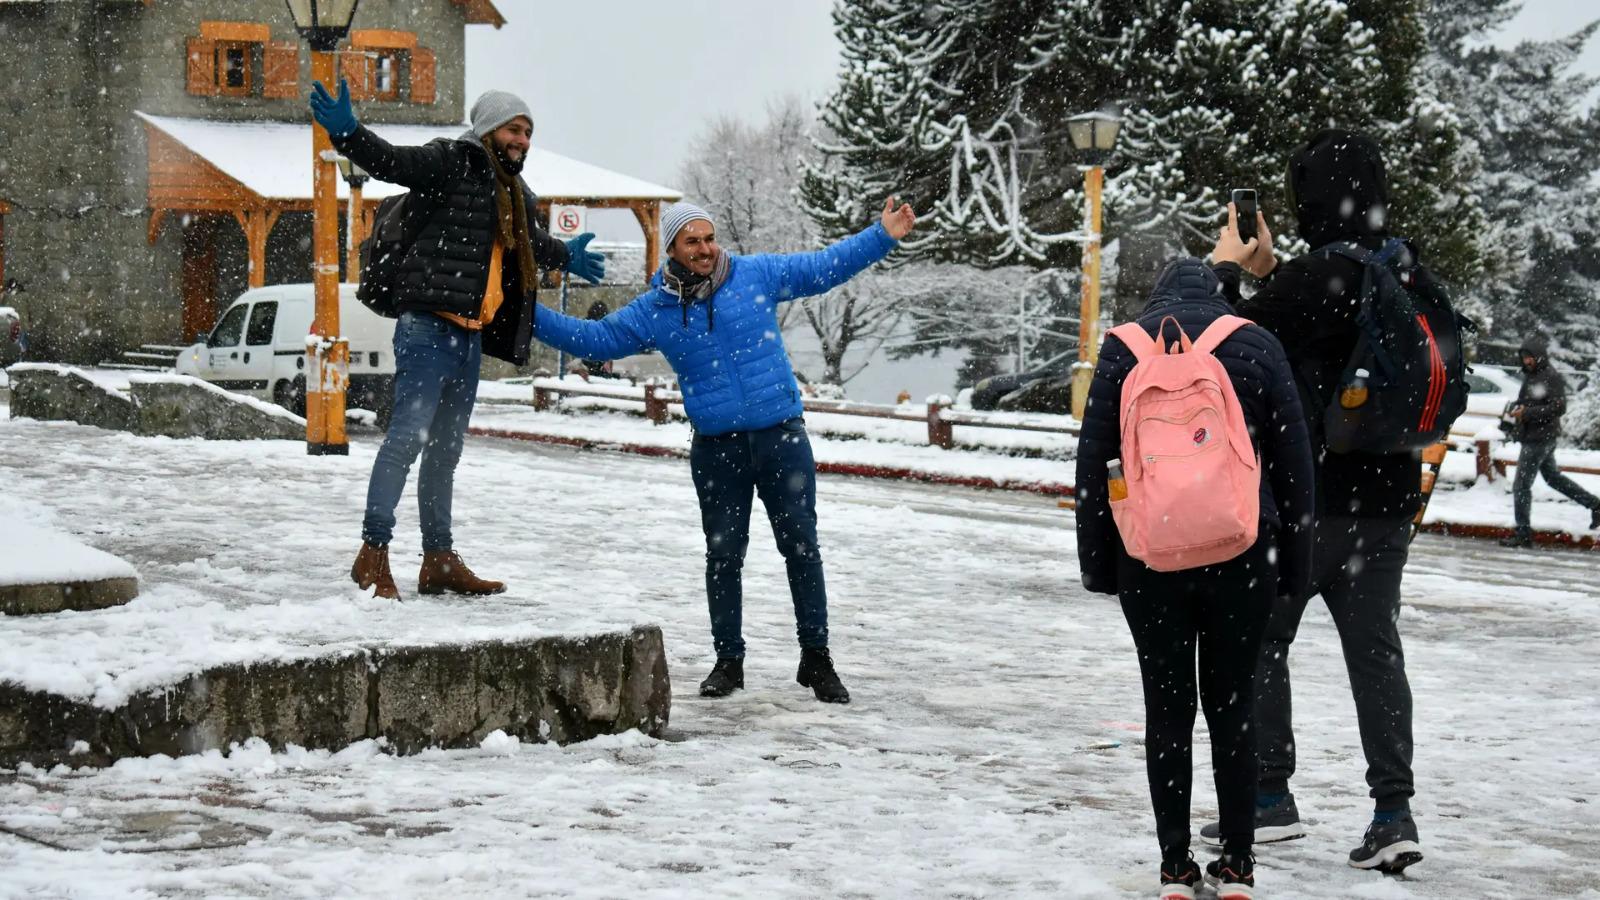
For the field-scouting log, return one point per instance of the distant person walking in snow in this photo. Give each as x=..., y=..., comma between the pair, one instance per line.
x=1365, y=502
x=1536, y=415
x=714, y=317
x=1221, y=609
x=465, y=287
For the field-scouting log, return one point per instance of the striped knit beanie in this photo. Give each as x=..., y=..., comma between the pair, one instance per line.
x=677, y=216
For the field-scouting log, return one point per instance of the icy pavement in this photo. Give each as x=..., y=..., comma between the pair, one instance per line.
x=992, y=749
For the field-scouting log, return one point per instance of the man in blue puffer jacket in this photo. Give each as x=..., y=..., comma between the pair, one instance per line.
x=714, y=317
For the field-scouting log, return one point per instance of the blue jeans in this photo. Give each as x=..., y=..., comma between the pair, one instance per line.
x=776, y=464
x=1535, y=460
x=435, y=385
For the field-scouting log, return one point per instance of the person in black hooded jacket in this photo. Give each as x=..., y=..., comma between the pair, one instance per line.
x=1221, y=609
x=1537, y=412
x=1339, y=191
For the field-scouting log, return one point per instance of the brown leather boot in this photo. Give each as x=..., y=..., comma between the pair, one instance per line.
x=372, y=570
x=443, y=570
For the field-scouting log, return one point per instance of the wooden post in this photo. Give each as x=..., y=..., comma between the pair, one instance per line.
x=198, y=276
x=256, y=224
x=940, y=432
x=655, y=408
x=1485, y=460
x=541, y=398
x=353, y=235
x=1089, y=309
x=649, y=215
x=327, y=358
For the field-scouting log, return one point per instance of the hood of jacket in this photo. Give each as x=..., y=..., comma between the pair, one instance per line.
x=1339, y=188
x=1186, y=280
x=1536, y=346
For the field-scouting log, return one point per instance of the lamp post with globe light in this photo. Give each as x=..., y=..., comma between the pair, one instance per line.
x=323, y=24
x=1095, y=136
x=356, y=178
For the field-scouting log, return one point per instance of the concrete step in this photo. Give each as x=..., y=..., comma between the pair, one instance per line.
x=560, y=689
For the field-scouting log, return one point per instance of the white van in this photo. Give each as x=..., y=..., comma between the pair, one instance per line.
x=258, y=347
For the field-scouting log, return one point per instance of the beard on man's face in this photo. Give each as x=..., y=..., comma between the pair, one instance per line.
x=512, y=166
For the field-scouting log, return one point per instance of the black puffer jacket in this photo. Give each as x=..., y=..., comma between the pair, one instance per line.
x=447, y=267
x=1543, y=397
x=1310, y=304
x=1188, y=291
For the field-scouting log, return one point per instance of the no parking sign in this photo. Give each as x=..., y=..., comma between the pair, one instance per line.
x=567, y=221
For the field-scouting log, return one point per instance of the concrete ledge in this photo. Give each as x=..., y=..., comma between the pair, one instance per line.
x=62, y=394
x=32, y=599
x=549, y=689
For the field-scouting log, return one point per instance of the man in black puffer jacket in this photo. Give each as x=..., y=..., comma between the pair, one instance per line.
x=466, y=286
x=1537, y=412
x=1365, y=503
x=1220, y=610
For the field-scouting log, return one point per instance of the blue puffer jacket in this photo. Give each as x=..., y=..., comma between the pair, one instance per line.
x=732, y=366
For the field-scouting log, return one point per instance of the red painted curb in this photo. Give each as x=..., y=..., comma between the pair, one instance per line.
x=1495, y=532
x=857, y=469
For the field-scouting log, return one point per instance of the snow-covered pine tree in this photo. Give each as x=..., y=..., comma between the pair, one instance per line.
x=962, y=105
x=1525, y=108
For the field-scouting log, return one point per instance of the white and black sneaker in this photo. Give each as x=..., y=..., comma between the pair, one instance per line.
x=1278, y=822
x=1388, y=847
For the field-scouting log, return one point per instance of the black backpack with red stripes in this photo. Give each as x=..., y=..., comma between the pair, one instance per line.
x=1405, y=383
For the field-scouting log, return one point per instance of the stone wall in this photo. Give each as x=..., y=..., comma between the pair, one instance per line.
x=453, y=695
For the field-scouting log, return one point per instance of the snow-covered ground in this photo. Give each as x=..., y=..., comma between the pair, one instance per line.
x=992, y=749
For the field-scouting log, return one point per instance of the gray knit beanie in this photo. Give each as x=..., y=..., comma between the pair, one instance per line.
x=495, y=108
x=677, y=216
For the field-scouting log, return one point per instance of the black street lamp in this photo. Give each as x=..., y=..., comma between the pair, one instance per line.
x=323, y=23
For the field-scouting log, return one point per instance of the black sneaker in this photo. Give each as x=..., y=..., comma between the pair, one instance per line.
x=1233, y=875
x=1388, y=847
x=816, y=672
x=726, y=677
x=1517, y=539
x=1178, y=879
x=1278, y=822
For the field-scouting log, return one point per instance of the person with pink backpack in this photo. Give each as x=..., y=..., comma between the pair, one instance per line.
x=1195, y=506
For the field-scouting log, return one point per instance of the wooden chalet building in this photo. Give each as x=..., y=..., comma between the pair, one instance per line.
x=155, y=155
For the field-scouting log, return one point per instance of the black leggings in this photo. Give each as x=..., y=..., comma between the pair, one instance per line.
x=1224, y=608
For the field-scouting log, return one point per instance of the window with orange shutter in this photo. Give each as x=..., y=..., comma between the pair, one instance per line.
x=229, y=59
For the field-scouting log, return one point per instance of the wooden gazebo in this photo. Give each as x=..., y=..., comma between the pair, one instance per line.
x=253, y=172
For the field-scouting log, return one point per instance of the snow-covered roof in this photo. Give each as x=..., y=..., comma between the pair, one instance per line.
x=273, y=159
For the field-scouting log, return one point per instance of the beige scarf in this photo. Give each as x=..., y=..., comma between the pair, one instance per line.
x=513, y=216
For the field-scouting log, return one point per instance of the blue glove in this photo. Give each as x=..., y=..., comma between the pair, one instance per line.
x=590, y=265
x=334, y=115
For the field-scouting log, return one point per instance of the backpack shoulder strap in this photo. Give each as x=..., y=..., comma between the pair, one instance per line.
x=1219, y=331
x=1136, y=339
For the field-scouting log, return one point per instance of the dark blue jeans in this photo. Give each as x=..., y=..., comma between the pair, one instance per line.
x=1357, y=566
x=435, y=385
x=776, y=464
x=1535, y=460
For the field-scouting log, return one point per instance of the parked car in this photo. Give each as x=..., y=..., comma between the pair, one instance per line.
x=1047, y=388
x=13, y=340
x=258, y=347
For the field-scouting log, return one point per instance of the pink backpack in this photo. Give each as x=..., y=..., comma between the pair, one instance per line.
x=1194, y=483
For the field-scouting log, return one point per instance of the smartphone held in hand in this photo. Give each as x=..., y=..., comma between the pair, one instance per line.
x=1244, y=203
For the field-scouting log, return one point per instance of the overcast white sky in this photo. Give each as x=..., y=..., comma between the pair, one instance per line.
x=625, y=84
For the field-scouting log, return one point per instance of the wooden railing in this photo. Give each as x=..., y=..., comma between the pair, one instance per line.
x=939, y=418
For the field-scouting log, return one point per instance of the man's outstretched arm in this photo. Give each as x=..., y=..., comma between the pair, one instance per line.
x=623, y=333
x=417, y=168
x=807, y=274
